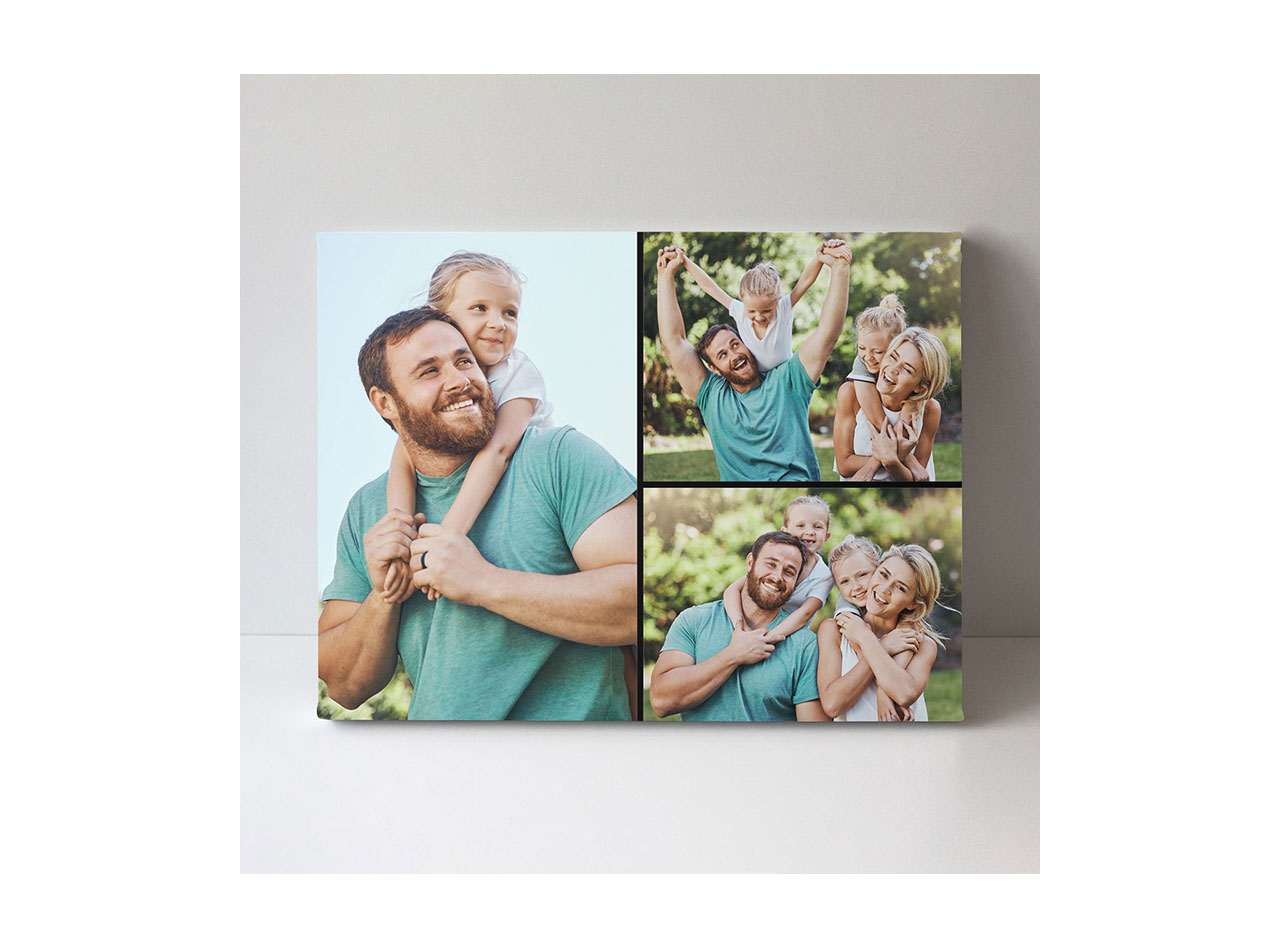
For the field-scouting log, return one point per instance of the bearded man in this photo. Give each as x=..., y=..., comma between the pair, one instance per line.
x=709, y=672
x=535, y=598
x=758, y=421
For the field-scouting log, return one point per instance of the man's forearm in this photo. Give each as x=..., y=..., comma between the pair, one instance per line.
x=358, y=656
x=594, y=607
x=671, y=332
x=816, y=350
x=687, y=686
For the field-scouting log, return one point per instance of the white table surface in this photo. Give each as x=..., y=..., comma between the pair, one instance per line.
x=327, y=796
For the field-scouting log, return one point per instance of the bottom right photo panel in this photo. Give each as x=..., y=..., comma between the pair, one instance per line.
x=816, y=604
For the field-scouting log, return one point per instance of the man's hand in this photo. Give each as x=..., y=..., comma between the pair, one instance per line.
x=388, y=540
x=901, y=640
x=834, y=252
x=670, y=259
x=453, y=565
x=748, y=646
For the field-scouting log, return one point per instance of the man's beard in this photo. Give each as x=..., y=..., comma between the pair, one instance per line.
x=460, y=436
x=748, y=374
x=766, y=597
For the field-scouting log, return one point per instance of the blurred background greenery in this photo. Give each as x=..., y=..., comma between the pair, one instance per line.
x=923, y=269
x=696, y=540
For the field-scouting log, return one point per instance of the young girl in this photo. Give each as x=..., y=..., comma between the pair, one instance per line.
x=890, y=436
x=808, y=519
x=876, y=667
x=482, y=295
x=763, y=314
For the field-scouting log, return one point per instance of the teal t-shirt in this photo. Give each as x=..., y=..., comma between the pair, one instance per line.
x=766, y=691
x=467, y=663
x=762, y=434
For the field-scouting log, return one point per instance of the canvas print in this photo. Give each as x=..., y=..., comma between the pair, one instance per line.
x=478, y=518
x=775, y=604
x=801, y=357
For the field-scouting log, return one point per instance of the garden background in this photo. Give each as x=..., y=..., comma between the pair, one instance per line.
x=696, y=540
x=923, y=269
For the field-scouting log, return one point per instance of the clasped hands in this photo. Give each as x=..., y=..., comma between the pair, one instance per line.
x=901, y=639
x=403, y=553
x=893, y=443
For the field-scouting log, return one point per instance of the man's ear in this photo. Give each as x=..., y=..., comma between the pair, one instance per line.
x=384, y=404
x=750, y=560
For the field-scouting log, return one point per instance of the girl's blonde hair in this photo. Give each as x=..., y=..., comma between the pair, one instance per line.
x=807, y=501
x=444, y=281
x=936, y=366
x=851, y=545
x=890, y=314
x=761, y=280
x=928, y=585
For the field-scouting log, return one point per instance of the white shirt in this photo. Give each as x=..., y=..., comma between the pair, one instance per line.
x=517, y=377
x=775, y=348
x=864, y=709
x=862, y=442
x=816, y=585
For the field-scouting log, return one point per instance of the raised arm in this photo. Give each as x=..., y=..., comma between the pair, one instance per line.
x=811, y=271
x=816, y=349
x=596, y=606
x=709, y=286
x=683, y=357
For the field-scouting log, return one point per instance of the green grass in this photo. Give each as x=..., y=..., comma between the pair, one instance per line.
x=700, y=465
x=941, y=696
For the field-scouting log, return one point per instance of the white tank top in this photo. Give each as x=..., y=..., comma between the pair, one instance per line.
x=862, y=442
x=864, y=709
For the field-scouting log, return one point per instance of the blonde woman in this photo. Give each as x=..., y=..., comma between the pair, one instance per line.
x=876, y=666
x=914, y=370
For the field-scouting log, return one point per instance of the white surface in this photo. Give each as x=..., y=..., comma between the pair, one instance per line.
x=383, y=796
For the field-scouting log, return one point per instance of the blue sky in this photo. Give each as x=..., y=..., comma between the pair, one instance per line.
x=577, y=323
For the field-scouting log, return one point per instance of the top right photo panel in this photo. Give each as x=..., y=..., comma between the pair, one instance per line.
x=801, y=357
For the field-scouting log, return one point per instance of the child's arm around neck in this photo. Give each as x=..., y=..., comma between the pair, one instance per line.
x=489, y=464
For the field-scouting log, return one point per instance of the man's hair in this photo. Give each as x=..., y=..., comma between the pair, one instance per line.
x=778, y=536
x=394, y=330
x=705, y=342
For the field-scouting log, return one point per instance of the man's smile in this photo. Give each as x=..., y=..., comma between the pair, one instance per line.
x=465, y=403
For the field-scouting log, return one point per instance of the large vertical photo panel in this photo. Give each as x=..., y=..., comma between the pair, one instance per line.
x=806, y=604
x=478, y=517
